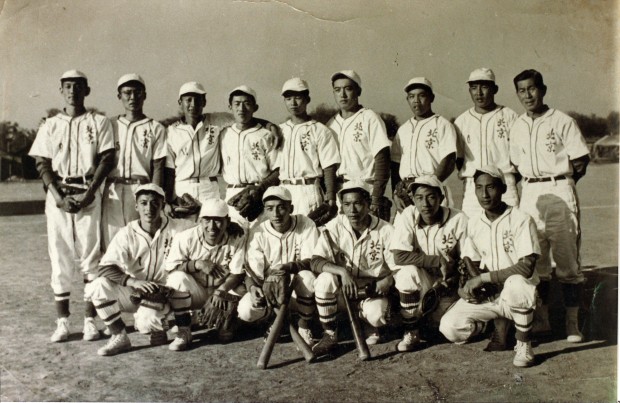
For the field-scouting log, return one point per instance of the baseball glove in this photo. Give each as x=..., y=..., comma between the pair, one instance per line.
x=381, y=207
x=401, y=192
x=467, y=269
x=323, y=214
x=219, y=310
x=186, y=206
x=155, y=300
x=277, y=289
x=248, y=202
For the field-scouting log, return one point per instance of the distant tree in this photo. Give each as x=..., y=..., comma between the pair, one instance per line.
x=593, y=127
x=221, y=119
x=391, y=124
x=323, y=112
x=613, y=123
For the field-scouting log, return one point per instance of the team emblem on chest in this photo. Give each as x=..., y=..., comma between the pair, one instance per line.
x=448, y=241
x=551, y=141
x=374, y=251
x=146, y=138
x=357, y=136
x=431, y=139
x=508, y=242
x=90, y=135
x=304, y=141
x=256, y=151
x=501, y=128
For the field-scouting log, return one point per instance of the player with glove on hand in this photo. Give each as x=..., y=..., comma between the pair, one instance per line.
x=503, y=241
x=278, y=254
x=205, y=266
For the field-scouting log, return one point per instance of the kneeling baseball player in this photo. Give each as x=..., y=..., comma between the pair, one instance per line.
x=502, y=242
x=205, y=266
x=132, y=275
x=278, y=254
x=352, y=253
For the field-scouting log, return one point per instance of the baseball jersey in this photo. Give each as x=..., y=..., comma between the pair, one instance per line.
x=72, y=143
x=307, y=148
x=139, y=255
x=367, y=256
x=360, y=137
x=137, y=145
x=544, y=146
x=501, y=243
x=245, y=158
x=483, y=139
x=445, y=238
x=420, y=145
x=267, y=247
x=193, y=152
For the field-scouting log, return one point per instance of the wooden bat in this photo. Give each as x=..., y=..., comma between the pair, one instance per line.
x=274, y=333
x=301, y=344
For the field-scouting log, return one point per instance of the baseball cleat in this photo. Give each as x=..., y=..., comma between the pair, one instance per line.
x=62, y=330
x=90, y=332
x=411, y=339
x=524, y=356
x=498, y=337
x=572, y=325
x=306, y=334
x=326, y=344
x=182, y=340
x=374, y=338
x=158, y=338
x=118, y=343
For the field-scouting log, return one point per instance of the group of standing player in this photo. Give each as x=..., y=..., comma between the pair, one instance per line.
x=109, y=182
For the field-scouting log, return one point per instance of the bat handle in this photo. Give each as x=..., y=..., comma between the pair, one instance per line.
x=274, y=333
x=301, y=344
x=358, y=334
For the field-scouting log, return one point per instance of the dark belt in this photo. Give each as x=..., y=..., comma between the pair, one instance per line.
x=342, y=179
x=204, y=178
x=300, y=181
x=241, y=185
x=74, y=180
x=129, y=181
x=546, y=179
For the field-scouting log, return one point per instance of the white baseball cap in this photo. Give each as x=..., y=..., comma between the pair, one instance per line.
x=246, y=90
x=214, y=208
x=296, y=85
x=494, y=171
x=426, y=180
x=192, y=87
x=150, y=187
x=73, y=74
x=349, y=74
x=419, y=81
x=355, y=184
x=129, y=78
x=280, y=192
x=482, y=74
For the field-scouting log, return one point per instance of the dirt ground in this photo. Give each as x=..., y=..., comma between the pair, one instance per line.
x=32, y=368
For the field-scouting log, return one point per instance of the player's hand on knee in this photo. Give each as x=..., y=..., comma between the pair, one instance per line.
x=211, y=269
x=257, y=296
x=144, y=286
x=349, y=288
x=69, y=205
x=383, y=286
x=472, y=284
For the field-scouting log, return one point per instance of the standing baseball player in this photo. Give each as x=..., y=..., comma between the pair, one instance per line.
x=427, y=243
x=131, y=272
x=279, y=250
x=362, y=141
x=549, y=151
x=424, y=145
x=352, y=256
x=140, y=144
x=483, y=139
x=502, y=243
x=205, y=263
x=74, y=153
x=309, y=153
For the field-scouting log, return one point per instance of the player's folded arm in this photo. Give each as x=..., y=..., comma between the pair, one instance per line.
x=382, y=172
x=105, y=164
x=418, y=259
x=157, y=169
x=525, y=267
x=113, y=273
x=329, y=177
x=579, y=166
x=446, y=166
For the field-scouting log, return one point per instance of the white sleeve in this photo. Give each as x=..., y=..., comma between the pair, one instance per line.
x=255, y=255
x=377, y=133
x=42, y=145
x=403, y=235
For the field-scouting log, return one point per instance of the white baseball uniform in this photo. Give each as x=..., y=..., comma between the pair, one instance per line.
x=137, y=145
x=483, y=139
x=308, y=148
x=497, y=245
x=542, y=149
x=267, y=248
x=420, y=145
x=72, y=144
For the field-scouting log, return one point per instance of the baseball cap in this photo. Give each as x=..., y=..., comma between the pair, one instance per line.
x=419, y=81
x=214, y=208
x=280, y=192
x=127, y=78
x=245, y=89
x=296, y=85
x=69, y=74
x=149, y=187
x=494, y=171
x=355, y=184
x=426, y=180
x=192, y=87
x=482, y=74
x=349, y=74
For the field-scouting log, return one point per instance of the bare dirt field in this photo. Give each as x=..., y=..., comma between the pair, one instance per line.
x=32, y=368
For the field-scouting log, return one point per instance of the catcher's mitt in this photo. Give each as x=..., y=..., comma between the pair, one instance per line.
x=219, y=310
x=381, y=207
x=484, y=293
x=155, y=300
x=323, y=214
x=277, y=289
x=186, y=206
x=401, y=192
x=248, y=203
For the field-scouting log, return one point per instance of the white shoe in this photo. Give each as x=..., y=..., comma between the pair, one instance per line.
x=182, y=340
x=573, y=335
x=411, y=339
x=62, y=330
x=90, y=331
x=306, y=334
x=524, y=356
x=117, y=344
x=373, y=338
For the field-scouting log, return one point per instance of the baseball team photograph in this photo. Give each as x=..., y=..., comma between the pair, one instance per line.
x=282, y=201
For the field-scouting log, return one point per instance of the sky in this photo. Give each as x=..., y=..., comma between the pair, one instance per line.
x=223, y=44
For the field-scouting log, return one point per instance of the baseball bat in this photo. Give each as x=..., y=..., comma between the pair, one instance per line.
x=274, y=333
x=301, y=344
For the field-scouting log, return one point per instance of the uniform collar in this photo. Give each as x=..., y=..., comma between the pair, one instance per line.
x=269, y=228
x=444, y=213
x=126, y=122
x=341, y=119
x=486, y=220
x=138, y=228
x=374, y=223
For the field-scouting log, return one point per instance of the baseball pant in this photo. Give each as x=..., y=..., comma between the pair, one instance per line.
x=555, y=208
x=516, y=302
x=74, y=242
x=117, y=210
x=329, y=301
x=305, y=198
x=201, y=191
x=302, y=300
x=472, y=207
x=412, y=283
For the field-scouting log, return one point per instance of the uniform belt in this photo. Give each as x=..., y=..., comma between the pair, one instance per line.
x=240, y=185
x=74, y=180
x=300, y=181
x=546, y=179
x=342, y=179
x=203, y=179
x=129, y=181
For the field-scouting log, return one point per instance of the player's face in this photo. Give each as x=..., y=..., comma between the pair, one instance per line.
x=243, y=108
x=74, y=92
x=296, y=104
x=355, y=207
x=489, y=192
x=428, y=202
x=279, y=214
x=214, y=228
x=482, y=94
x=132, y=97
x=419, y=101
x=149, y=207
x=531, y=97
x=346, y=94
x=192, y=104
